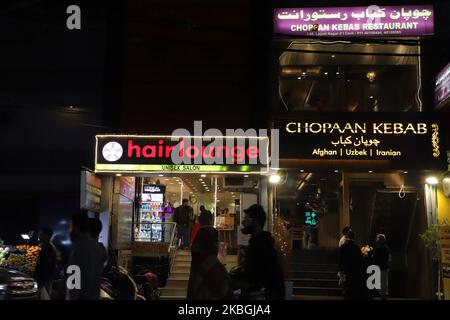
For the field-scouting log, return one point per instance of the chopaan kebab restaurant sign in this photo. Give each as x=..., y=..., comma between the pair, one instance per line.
x=373, y=21
x=362, y=136
x=221, y=154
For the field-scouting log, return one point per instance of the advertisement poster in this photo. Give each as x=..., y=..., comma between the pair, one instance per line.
x=122, y=222
x=91, y=191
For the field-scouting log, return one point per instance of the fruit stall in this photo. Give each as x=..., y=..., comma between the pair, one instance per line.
x=22, y=258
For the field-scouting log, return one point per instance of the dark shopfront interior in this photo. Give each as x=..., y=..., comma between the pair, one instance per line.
x=374, y=203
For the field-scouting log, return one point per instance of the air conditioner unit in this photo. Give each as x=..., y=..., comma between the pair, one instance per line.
x=239, y=182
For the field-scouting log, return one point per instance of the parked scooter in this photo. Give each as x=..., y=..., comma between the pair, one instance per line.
x=147, y=284
x=117, y=284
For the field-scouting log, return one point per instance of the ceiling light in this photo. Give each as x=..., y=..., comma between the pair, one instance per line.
x=405, y=172
x=203, y=175
x=275, y=178
x=160, y=175
x=371, y=75
x=25, y=236
x=432, y=180
x=333, y=56
x=118, y=175
x=337, y=72
x=370, y=171
x=302, y=170
x=371, y=97
x=336, y=171
x=299, y=78
x=246, y=176
x=325, y=73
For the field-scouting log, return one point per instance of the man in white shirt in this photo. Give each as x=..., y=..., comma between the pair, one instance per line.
x=344, y=237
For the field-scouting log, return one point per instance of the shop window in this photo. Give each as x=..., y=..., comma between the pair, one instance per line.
x=349, y=77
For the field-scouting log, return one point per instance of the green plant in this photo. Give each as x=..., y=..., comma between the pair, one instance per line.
x=430, y=237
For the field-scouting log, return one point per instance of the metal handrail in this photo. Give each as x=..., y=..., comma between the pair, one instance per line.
x=172, y=247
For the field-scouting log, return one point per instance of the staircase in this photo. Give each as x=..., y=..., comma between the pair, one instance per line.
x=177, y=283
x=314, y=275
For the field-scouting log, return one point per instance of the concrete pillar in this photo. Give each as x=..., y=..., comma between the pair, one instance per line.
x=344, y=202
x=264, y=198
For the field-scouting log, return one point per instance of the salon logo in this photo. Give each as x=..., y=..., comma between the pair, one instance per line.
x=112, y=151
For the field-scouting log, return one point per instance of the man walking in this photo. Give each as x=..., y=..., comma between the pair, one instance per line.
x=381, y=258
x=261, y=267
x=182, y=219
x=351, y=267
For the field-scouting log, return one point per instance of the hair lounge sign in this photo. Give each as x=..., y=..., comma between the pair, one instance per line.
x=221, y=154
x=403, y=138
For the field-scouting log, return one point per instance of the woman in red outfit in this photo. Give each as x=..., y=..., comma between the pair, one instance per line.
x=195, y=229
x=209, y=280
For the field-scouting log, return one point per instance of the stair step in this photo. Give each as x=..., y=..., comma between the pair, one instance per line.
x=181, y=269
x=180, y=274
x=183, y=253
x=182, y=259
x=319, y=283
x=332, y=275
x=184, y=264
x=171, y=291
x=315, y=291
x=183, y=283
x=179, y=278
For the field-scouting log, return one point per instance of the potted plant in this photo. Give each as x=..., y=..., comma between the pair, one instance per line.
x=430, y=237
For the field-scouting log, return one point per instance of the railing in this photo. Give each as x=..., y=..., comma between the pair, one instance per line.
x=173, y=247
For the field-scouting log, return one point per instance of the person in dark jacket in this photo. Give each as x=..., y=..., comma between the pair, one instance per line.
x=351, y=267
x=206, y=216
x=88, y=258
x=96, y=227
x=208, y=279
x=381, y=258
x=261, y=266
x=182, y=219
x=45, y=270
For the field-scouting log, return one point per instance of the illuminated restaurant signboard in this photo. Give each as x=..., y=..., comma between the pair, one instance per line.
x=134, y=154
x=404, y=138
x=371, y=21
x=311, y=218
x=442, y=89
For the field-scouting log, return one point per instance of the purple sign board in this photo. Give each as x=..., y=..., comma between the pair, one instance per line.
x=442, y=90
x=371, y=21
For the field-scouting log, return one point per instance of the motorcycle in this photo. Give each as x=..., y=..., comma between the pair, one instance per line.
x=117, y=284
x=147, y=284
